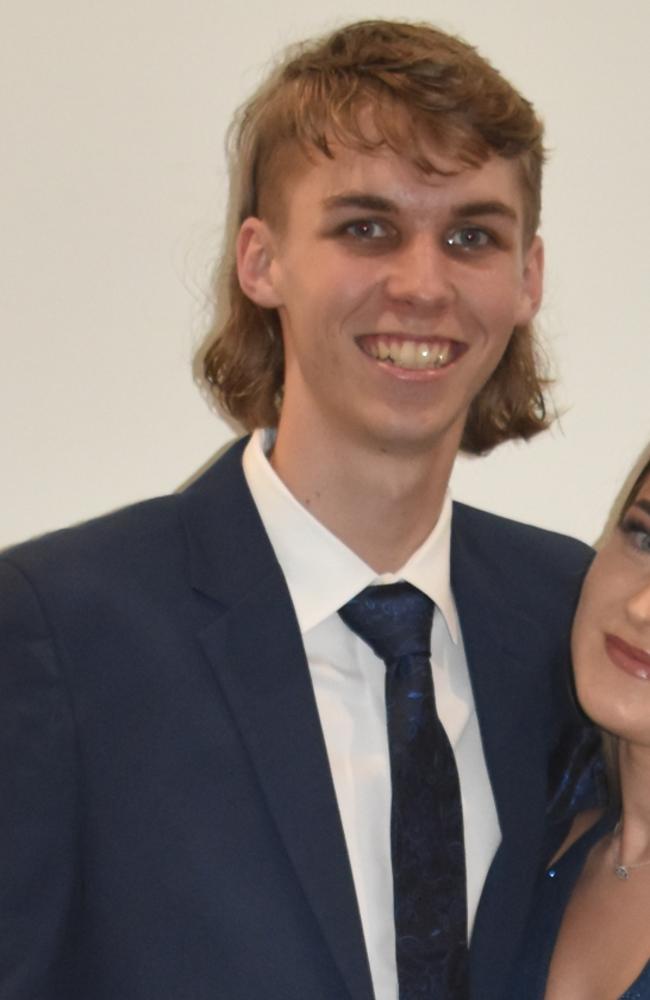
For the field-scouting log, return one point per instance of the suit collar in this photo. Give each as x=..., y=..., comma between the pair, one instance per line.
x=227, y=547
x=341, y=572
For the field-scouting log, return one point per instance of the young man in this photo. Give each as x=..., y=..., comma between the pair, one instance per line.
x=208, y=793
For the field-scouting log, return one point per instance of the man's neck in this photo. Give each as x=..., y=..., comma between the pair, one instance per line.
x=381, y=503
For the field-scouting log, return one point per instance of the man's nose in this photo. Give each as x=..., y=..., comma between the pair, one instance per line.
x=421, y=274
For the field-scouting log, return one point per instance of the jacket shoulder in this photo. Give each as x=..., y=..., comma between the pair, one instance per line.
x=148, y=533
x=519, y=543
x=119, y=537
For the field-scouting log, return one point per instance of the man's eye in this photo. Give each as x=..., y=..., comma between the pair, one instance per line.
x=366, y=229
x=469, y=238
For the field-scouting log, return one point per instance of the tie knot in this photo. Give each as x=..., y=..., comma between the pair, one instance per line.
x=394, y=619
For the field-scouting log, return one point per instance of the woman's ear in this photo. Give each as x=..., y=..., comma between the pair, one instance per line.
x=254, y=259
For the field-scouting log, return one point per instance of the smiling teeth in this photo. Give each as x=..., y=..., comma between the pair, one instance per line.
x=421, y=355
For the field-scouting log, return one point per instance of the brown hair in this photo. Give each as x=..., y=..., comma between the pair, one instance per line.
x=421, y=85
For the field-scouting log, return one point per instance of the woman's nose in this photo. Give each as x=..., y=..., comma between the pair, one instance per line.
x=638, y=604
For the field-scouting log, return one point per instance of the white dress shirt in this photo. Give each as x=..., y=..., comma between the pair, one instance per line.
x=322, y=574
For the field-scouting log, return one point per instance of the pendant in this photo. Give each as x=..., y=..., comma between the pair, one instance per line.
x=621, y=872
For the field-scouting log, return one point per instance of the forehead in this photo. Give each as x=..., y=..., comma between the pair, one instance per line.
x=320, y=182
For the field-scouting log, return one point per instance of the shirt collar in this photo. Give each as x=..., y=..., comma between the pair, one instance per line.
x=301, y=543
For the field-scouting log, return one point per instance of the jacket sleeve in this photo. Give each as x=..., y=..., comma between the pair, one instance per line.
x=38, y=800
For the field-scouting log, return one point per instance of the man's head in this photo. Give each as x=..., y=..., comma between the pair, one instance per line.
x=375, y=87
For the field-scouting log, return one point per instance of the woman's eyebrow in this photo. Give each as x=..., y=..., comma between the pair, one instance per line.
x=643, y=505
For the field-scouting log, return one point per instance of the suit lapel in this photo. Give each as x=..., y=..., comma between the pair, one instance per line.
x=256, y=652
x=512, y=702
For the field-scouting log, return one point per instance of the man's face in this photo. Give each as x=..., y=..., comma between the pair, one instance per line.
x=397, y=293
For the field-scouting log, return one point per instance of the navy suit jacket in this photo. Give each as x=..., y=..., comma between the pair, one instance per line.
x=168, y=823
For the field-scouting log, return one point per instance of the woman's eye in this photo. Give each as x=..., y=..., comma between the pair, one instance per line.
x=469, y=238
x=641, y=540
x=638, y=534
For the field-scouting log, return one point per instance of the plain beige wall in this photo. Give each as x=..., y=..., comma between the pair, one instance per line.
x=113, y=186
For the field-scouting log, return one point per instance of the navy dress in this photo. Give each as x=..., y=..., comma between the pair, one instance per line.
x=551, y=897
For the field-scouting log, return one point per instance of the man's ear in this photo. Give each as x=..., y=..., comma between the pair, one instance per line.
x=533, y=281
x=255, y=251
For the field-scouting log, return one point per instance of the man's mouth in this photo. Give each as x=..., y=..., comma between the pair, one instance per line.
x=411, y=354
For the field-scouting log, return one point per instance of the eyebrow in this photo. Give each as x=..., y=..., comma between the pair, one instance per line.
x=373, y=202
x=474, y=208
x=643, y=505
x=377, y=203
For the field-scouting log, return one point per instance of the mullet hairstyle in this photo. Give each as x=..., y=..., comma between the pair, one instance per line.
x=421, y=87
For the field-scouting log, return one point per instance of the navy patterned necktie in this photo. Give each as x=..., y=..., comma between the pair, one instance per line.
x=426, y=815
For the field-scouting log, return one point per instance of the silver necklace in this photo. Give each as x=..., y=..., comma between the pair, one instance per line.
x=620, y=870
